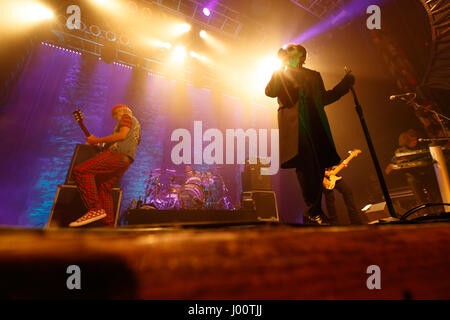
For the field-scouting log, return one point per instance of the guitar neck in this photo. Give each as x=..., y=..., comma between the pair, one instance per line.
x=83, y=127
x=342, y=165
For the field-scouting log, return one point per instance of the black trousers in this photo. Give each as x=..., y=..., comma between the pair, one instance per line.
x=310, y=177
x=347, y=194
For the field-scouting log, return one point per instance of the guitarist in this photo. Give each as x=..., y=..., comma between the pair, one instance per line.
x=96, y=176
x=347, y=194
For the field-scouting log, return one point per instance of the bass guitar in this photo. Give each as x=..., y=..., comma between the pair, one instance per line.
x=329, y=182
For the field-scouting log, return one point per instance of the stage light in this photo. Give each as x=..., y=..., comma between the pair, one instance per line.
x=29, y=12
x=161, y=44
x=178, y=54
x=183, y=27
x=203, y=34
x=111, y=5
x=206, y=12
x=195, y=55
x=267, y=66
x=262, y=71
x=100, y=2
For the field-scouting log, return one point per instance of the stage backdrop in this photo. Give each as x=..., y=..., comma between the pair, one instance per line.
x=39, y=134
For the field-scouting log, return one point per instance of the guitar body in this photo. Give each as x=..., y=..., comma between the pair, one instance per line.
x=330, y=182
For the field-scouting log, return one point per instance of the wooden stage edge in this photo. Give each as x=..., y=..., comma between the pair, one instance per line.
x=249, y=261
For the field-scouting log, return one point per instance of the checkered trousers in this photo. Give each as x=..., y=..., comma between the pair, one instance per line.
x=95, y=178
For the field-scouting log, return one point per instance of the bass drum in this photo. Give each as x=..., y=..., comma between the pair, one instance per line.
x=191, y=196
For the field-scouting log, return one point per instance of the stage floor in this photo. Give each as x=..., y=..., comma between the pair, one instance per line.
x=260, y=261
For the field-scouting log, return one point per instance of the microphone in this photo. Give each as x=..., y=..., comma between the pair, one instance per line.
x=403, y=95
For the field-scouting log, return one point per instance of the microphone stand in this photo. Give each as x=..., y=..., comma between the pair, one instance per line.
x=387, y=197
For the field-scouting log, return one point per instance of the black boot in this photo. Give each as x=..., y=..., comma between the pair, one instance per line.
x=319, y=219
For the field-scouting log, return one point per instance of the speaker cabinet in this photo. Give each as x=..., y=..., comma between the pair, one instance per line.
x=377, y=211
x=253, y=180
x=82, y=153
x=68, y=207
x=264, y=203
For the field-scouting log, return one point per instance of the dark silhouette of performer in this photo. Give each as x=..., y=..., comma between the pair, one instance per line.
x=347, y=194
x=306, y=143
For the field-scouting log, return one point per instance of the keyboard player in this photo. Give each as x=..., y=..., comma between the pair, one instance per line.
x=413, y=162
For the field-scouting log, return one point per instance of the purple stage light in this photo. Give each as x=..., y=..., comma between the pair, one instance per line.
x=345, y=14
x=206, y=12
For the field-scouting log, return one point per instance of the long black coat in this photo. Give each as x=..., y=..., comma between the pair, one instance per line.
x=303, y=124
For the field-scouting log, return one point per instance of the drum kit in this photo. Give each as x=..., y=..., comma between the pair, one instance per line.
x=194, y=190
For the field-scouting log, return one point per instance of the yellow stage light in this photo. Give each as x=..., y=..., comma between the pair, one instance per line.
x=29, y=12
x=161, y=44
x=195, y=55
x=113, y=5
x=203, y=34
x=101, y=2
x=262, y=71
x=178, y=54
x=268, y=65
x=182, y=28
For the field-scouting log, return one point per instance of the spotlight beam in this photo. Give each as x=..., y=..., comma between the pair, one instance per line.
x=343, y=15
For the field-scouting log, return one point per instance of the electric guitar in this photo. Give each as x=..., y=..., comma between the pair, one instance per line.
x=79, y=116
x=330, y=181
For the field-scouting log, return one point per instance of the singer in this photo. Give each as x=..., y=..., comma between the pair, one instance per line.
x=306, y=143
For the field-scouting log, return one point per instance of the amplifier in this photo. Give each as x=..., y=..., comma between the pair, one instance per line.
x=82, y=153
x=252, y=178
x=264, y=203
x=68, y=207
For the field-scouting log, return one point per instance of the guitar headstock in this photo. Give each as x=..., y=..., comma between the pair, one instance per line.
x=79, y=116
x=354, y=153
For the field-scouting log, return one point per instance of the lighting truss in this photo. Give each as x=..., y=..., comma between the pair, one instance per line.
x=222, y=19
x=92, y=39
x=438, y=70
x=320, y=8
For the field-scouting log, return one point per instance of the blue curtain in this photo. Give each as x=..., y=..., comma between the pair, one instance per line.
x=38, y=132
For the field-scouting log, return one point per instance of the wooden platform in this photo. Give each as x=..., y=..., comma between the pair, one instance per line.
x=261, y=261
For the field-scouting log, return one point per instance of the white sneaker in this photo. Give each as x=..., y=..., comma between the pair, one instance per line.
x=91, y=216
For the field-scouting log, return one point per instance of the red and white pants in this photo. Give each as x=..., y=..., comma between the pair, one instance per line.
x=95, y=178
